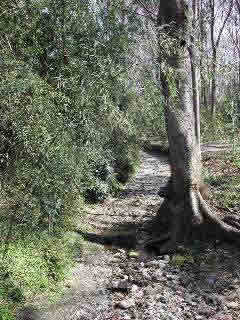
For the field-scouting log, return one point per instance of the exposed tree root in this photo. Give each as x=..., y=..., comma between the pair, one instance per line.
x=232, y=220
x=203, y=223
x=161, y=245
x=227, y=229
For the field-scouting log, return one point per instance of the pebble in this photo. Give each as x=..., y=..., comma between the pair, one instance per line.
x=233, y=305
x=125, y=304
x=222, y=317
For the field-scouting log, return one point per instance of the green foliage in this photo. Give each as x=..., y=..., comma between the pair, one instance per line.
x=212, y=130
x=10, y=292
x=38, y=167
x=147, y=112
x=74, y=210
x=96, y=192
x=6, y=313
x=236, y=160
x=227, y=189
x=126, y=165
x=51, y=137
x=71, y=122
x=180, y=260
x=225, y=125
x=66, y=105
x=34, y=265
x=57, y=257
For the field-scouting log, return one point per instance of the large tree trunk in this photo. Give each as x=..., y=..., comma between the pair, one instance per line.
x=184, y=213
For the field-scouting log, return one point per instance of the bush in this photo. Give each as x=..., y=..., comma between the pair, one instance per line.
x=6, y=313
x=35, y=265
x=98, y=192
x=147, y=112
x=212, y=130
x=70, y=128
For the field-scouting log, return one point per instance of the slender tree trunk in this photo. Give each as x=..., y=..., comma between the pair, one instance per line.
x=213, y=87
x=63, y=38
x=215, y=45
x=239, y=73
x=203, y=59
x=194, y=71
x=214, y=58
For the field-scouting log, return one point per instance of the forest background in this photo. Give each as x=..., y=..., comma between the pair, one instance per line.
x=80, y=95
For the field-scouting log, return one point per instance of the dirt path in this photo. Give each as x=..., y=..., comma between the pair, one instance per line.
x=117, y=285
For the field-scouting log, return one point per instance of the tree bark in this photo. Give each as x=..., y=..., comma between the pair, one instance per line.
x=194, y=69
x=184, y=214
x=213, y=84
x=203, y=61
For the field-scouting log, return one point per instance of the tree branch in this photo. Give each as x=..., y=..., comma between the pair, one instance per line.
x=224, y=22
x=212, y=7
x=151, y=14
x=142, y=15
x=237, y=2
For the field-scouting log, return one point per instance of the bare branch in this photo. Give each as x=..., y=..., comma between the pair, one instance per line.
x=224, y=22
x=149, y=17
x=212, y=6
x=237, y=2
x=235, y=40
x=150, y=13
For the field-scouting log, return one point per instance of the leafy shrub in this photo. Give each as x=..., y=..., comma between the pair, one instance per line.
x=70, y=127
x=126, y=163
x=6, y=313
x=35, y=264
x=103, y=171
x=213, y=130
x=97, y=192
x=147, y=112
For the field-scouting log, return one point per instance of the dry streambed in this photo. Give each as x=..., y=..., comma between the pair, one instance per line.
x=118, y=284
